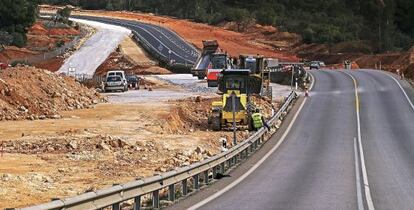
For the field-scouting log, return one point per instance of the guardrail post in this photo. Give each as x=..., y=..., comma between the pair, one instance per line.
x=137, y=203
x=116, y=206
x=244, y=154
x=206, y=178
x=156, y=199
x=185, y=187
x=171, y=192
x=215, y=172
x=223, y=168
x=196, y=180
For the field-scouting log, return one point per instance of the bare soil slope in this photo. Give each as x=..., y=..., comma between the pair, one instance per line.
x=30, y=93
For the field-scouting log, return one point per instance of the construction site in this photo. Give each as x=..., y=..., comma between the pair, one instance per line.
x=62, y=136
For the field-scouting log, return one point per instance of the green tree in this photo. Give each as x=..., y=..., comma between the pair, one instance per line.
x=5, y=39
x=16, y=16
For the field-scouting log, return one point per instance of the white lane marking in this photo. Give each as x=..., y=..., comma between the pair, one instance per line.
x=260, y=162
x=368, y=196
x=405, y=93
x=358, y=178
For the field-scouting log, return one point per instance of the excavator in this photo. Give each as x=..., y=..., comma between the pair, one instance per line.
x=236, y=86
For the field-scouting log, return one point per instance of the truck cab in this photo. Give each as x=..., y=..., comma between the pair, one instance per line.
x=219, y=62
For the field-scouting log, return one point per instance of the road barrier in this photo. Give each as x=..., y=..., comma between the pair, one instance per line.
x=113, y=197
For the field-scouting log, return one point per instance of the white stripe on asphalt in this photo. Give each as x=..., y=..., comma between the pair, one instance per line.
x=260, y=162
x=368, y=196
x=406, y=95
x=358, y=178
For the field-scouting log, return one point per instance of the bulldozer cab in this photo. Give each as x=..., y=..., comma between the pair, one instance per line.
x=234, y=80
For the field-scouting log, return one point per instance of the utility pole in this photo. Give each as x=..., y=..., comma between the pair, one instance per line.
x=233, y=101
x=291, y=80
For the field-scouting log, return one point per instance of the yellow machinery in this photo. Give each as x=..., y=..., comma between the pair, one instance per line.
x=252, y=77
x=234, y=106
x=260, y=73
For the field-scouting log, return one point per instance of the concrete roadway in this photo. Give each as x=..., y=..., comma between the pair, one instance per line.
x=320, y=165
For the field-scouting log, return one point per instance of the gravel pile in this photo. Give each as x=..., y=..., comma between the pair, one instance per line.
x=30, y=93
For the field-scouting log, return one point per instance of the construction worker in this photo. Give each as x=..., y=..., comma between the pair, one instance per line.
x=259, y=121
x=306, y=92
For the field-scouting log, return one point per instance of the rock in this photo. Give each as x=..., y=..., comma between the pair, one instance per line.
x=56, y=116
x=42, y=117
x=103, y=146
x=165, y=203
x=6, y=177
x=199, y=150
x=209, y=153
x=161, y=169
x=23, y=109
x=73, y=145
x=56, y=95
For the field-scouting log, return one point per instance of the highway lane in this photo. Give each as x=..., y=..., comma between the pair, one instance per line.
x=315, y=166
x=387, y=123
x=163, y=41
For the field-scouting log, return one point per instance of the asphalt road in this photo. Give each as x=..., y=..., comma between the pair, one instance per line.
x=387, y=124
x=162, y=41
x=319, y=165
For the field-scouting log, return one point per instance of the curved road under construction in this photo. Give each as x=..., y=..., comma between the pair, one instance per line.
x=351, y=146
x=163, y=43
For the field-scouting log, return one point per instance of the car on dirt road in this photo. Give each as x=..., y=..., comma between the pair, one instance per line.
x=115, y=83
x=133, y=81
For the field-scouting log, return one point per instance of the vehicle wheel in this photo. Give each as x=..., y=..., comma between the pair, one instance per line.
x=216, y=123
x=200, y=77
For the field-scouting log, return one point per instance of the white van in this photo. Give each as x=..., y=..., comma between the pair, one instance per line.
x=121, y=74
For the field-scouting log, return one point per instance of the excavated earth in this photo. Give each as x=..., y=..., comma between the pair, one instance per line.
x=30, y=93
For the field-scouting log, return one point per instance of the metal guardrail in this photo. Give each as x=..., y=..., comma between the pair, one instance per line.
x=113, y=197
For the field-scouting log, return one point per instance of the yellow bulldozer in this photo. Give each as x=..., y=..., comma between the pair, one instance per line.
x=234, y=84
x=237, y=85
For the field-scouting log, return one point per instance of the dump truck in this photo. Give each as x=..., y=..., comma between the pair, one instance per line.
x=200, y=68
x=219, y=62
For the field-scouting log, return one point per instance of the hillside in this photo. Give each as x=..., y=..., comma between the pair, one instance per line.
x=381, y=25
